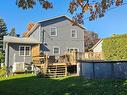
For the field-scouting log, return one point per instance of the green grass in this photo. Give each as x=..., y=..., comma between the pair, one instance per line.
x=31, y=85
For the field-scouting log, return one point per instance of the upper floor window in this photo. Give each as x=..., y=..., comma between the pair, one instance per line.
x=24, y=50
x=56, y=50
x=73, y=33
x=53, y=31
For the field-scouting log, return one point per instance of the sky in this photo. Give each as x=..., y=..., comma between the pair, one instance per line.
x=114, y=21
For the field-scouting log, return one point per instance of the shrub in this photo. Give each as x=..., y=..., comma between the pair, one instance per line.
x=1, y=57
x=115, y=48
x=3, y=71
x=40, y=75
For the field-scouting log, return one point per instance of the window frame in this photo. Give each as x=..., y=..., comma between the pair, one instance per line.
x=51, y=31
x=29, y=50
x=76, y=35
x=24, y=51
x=20, y=50
x=54, y=48
x=68, y=49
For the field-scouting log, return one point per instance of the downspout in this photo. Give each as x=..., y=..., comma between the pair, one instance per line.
x=7, y=59
x=42, y=36
x=6, y=54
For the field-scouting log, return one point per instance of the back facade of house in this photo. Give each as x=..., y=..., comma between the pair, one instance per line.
x=53, y=36
x=58, y=36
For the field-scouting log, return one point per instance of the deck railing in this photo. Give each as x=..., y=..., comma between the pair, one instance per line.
x=74, y=56
x=90, y=56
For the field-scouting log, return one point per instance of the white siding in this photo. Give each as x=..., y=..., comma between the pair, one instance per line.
x=98, y=48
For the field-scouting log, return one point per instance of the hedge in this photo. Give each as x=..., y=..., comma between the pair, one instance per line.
x=115, y=47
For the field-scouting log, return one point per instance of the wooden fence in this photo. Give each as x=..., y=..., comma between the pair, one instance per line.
x=74, y=56
x=90, y=56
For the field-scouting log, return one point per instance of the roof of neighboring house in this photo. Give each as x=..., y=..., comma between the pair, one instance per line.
x=11, y=39
x=38, y=24
x=96, y=44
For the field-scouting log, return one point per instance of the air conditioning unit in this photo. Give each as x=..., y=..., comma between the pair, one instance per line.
x=18, y=67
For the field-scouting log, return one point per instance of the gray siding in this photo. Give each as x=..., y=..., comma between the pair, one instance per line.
x=63, y=40
x=14, y=49
x=36, y=34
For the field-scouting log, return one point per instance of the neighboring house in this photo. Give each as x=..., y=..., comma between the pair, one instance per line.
x=54, y=36
x=96, y=52
x=97, y=47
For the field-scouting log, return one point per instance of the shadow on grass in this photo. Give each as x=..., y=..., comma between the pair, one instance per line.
x=64, y=86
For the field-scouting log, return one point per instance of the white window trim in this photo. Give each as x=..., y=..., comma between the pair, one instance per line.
x=51, y=31
x=19, y=50
x=29, y=50
x=25, y=50
x=56, y=47
x=72, y=48
x=75, y=34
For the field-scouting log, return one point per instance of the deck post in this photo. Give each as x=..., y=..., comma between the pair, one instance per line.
x=65, y=70
x=45, y=64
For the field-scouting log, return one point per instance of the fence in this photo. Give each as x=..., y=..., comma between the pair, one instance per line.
x=90, y=56
x=74, y=56
x=102, y=69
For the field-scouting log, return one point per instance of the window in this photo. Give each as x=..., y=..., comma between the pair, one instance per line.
x=24, y=50
x=27, y=51
x=56, y=50
x=73, y=33
x=54, y=31
x=72, y=49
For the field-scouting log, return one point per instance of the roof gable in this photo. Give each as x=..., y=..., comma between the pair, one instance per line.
x=58, y=19
x=51, y=21
x=96, y=44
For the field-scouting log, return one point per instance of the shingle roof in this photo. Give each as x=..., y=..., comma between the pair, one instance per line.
x=11, y=39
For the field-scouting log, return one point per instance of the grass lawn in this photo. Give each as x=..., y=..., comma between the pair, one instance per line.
x=31, y=85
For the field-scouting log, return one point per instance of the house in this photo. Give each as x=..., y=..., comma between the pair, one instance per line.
x=97, y=47
x=54, y=36
x=96, y=52
x=18, y=50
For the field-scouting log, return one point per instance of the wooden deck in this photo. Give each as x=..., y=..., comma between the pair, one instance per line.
x=60, y=69
x=55, y=69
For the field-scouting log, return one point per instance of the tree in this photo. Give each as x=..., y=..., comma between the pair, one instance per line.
x=1, y=57
x=90, y=39
x=3, y=32
x=26, y=4
x=30, y=26
x=96, y=8
x=3, y=28
x=13, y=33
